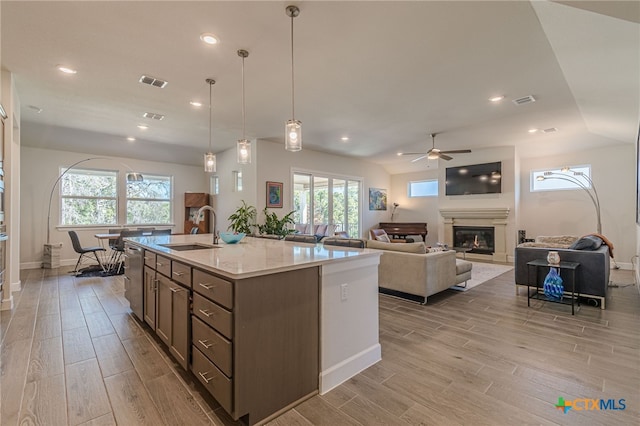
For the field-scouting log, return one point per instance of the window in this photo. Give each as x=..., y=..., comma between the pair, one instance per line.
x=88, y=197
x=149, y=201
x=570, y=177
x=327, y=200
x=215, y=185
x=423, y=188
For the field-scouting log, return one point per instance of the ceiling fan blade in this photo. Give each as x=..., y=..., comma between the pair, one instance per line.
x=419, y=158
x=445, y=157
x=411, y=153
x=457, y=151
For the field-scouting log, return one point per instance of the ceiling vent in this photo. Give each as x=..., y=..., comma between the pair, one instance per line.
x=153, y=116
x=550, y=130
x=524, y=100
x=145, y=79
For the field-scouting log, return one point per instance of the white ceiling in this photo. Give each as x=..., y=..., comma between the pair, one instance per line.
x=383, y=73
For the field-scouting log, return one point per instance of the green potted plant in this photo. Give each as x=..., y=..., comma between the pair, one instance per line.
x=243, y=219
x=274, y=226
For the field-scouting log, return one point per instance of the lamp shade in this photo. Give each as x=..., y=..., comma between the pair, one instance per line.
x=243, y=148
x=293, y=135
x=209, y=162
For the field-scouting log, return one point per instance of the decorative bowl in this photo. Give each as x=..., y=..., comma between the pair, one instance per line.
x=231, y=237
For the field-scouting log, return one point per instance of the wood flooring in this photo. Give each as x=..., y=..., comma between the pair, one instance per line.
x=72, y=354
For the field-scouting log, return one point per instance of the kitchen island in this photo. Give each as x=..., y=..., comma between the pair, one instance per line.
x=262, y=324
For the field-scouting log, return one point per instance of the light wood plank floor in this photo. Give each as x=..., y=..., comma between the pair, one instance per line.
x=72, y=354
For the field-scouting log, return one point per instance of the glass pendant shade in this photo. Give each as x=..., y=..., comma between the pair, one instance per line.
x=134, y=177
x=293, y=136
x=209, y=162
x=243, y=148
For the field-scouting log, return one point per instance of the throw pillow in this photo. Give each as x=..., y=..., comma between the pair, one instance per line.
x=590, y=242
x=435, y=249
x=417, y=248
x=384, y=238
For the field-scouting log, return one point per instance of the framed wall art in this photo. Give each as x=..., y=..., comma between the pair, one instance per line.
x=377, y=199
x=274, y=194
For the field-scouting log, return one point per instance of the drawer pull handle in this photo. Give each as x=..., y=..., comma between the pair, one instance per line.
x=204, y=343
x=204, y=377
x=207, y=286
x=178, y=274
x=176, y=290
x=205, y=313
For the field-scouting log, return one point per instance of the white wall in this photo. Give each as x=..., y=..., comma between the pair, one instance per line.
x=11, y=163
x=428, y=208
x=416, y=209
x=228, y=200
x=40, y=169
x=276, y=165
x=572, y=212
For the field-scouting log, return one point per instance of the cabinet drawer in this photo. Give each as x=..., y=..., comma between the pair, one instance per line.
x=150, y=259
x=163, y=265
x=214, y=288
x=213, y=379
x=212, y=345
x=181, y=273
x=213, y=315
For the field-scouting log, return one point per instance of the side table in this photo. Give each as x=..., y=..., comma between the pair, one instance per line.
x=568, y=267
x=463, y=250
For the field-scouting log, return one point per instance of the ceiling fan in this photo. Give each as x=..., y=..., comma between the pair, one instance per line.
x=434, y=153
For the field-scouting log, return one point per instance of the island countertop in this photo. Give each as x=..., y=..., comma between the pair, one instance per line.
x=251, y=256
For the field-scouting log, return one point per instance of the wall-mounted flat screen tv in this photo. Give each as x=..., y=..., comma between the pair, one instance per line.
x=474, y=179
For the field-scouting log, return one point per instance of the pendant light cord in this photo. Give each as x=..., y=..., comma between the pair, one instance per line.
x=243, y=106
x=292, y=75
x=210, y=115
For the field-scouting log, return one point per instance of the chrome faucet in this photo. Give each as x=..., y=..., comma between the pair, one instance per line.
x=215, y=221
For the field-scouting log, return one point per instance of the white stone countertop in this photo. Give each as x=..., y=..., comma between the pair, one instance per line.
x=250, y=257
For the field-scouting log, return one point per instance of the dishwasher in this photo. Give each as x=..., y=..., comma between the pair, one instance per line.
x=133, y=280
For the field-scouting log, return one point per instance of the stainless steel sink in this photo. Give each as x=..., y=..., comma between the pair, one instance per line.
x=186, y=246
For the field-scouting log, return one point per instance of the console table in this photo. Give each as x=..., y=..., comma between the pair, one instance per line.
x=566, y=266
x=402, y=229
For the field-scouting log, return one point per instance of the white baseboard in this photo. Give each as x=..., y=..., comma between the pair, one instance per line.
x=7, y=304
x=38, y=265
x=17, y=286
x=339, y=373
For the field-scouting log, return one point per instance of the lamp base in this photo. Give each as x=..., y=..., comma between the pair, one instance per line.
x=51, y=256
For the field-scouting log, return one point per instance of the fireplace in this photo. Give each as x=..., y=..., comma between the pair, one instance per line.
x=480, y=239
x=494, y=218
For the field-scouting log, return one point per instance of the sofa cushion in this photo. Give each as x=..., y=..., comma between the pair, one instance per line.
x=561, y=240
x=590, y=242
x=406, y=248
x=463, y=266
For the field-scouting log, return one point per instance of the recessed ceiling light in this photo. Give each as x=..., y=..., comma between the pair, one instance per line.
x=497, y=98
x=66, y=70
x=344, y=138
x=196, y=104
x=532, y=130
x=209, y=38
x=130, y=139
x=143, y=126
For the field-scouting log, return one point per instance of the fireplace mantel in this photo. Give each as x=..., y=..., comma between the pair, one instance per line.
x=495, y=217
x=496, y=213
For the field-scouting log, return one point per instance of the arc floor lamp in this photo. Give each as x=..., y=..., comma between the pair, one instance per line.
x=51, y=255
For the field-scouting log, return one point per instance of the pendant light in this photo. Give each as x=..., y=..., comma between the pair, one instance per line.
x=243, y=146
x=209, y=157
x=293, y=128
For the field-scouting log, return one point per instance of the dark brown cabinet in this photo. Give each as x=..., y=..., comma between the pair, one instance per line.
x=192, y=202
x=150, y=288
x=167, y=303
x=252, y=342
